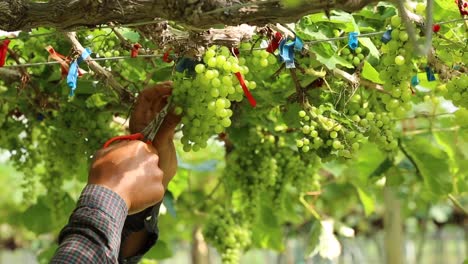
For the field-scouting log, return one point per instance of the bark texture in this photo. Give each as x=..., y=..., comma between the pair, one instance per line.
x=202, y=14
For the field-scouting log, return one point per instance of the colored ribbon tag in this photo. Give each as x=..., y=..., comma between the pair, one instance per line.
x=352, y=40
x=414, y=81
x=135, y=49
x=387, y=36
x=287, y=51
x=4, y=51
x=60, y=58
x=435, y=28
x=166, y=57
x=430, y=74
x=72, y=76
x=274, y=42
x=462, y=7
x=247, y=93
x=186, y=64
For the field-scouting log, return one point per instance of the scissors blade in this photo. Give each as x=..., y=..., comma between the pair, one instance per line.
x=152, y=129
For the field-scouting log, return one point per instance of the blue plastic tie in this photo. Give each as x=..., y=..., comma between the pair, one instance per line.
x=414, y=81
x=72, y=76
x=430, y=74
x=352, y=40
x=387, y=36
x=287, y=50
x=186, y=64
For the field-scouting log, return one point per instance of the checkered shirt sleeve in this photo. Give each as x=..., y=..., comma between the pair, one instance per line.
x=94, y=230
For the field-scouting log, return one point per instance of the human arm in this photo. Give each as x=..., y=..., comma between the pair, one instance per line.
x=124, y=178
x=139, y=235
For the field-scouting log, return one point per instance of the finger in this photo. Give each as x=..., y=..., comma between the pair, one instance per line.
x=155, y=92
x=152, y=149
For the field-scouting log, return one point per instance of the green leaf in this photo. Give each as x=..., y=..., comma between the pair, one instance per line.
x=432, y=163
x=373, y=51
x=366, y=200
x=370, y=73
x=267, y=232
x=168, y=202
x=336, y=17
x=132, y=36
x=160, y=251
x=313, y=237
x=46, y=255
x=179, y=183
x=291, y=115
x=97, y=100
x=328, y=57
x=445, y=10
x=382, y=168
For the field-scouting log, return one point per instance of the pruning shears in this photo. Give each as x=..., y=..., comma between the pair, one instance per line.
x=149, y=132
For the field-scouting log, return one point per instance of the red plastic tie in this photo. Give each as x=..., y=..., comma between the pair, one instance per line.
x=247, y=93
x=462, y=7
x=274, y=42
x=166, y=57
x=135, y=49
x=137, y=136
x=63, y=60
x=436, y=28
x=4, y=51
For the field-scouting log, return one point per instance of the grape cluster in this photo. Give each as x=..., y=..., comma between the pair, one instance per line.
x=457, y=91
x=262, y=168
x=396, y=70
x=205, y=99
x=379, y=125
x=261, y=63
x=354, y=57
x=323, y=133
x=226, y=231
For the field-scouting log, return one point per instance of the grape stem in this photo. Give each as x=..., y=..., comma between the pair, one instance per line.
x=356, y=81
x=457, y=204
x=309, y=207
x=301, y=98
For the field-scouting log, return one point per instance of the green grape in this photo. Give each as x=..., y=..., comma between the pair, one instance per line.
x=399, y=60
x=200, y=68
x=395, y=21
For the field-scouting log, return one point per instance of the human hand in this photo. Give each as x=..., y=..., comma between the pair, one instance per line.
x=131, y=170
x=149, y=103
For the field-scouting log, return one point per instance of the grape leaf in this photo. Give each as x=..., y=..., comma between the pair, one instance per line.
x=267, y=231
x=160, y=251
x=367, y=201
x=132, y=36
x=432, y=163
x=328, y=57
x=373, y=51
x=370, y=73
x=313, y=237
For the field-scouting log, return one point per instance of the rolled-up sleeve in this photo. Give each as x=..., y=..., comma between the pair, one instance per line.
x=94, y=230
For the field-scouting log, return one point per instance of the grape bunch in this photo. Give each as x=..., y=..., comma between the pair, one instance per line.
x=323, y=133
x=354, y=57
x=396, y=70
x=261, y=63
x=226, y=231
x=205, y=98
x=379, y=124
x=263, y=167
x=457, y=91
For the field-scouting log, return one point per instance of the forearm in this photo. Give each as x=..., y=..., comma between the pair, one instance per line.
x=94, y=230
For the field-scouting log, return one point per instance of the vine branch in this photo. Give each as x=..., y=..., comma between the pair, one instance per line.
x=102, y=73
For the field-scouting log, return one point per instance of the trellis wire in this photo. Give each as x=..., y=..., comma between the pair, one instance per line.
x=158, y=55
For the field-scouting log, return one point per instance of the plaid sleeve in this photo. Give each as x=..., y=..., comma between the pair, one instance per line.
x=94, y=230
